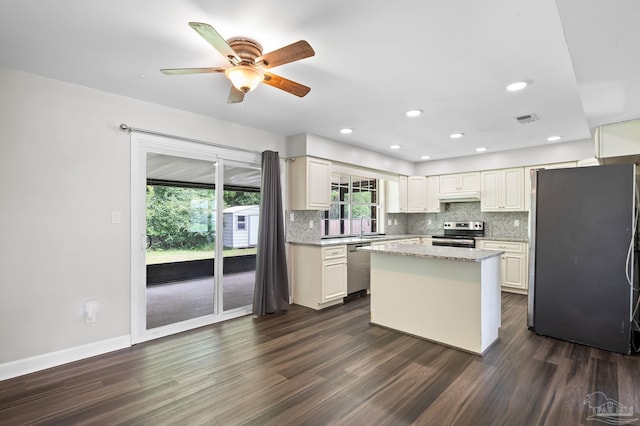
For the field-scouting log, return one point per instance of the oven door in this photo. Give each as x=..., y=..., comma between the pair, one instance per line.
x=453, y=242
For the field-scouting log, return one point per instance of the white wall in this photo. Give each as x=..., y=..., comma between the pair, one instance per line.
x=318, y=146
x=64, y=168
x=552, y=153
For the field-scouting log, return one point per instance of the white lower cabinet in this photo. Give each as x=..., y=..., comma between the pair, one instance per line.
x=334, y=279
x=426, y=241
x=514, y=264
x=319, y=275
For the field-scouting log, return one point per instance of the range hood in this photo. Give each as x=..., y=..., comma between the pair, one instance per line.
x=460, y=197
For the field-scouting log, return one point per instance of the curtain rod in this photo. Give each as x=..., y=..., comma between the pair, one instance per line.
x=130, y=129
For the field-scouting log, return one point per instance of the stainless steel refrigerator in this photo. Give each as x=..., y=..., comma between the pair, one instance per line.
x=582, y=255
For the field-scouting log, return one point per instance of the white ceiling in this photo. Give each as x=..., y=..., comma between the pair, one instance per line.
x=374, y=61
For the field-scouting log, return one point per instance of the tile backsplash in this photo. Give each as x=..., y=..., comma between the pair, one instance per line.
x=499, y=225
x=299, y=230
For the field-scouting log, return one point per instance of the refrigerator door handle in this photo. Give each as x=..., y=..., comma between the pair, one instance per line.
x=532, y=251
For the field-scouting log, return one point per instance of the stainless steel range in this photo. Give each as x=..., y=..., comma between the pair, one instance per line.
x=459, y=234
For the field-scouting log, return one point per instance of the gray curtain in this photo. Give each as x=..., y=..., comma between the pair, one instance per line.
x=272, y=282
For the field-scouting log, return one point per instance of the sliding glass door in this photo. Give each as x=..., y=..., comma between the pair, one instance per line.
x=195, y=217
x=180, y=239
x=241, y=214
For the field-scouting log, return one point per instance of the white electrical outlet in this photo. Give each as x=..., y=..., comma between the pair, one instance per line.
x=291, y=217
x=428, y=221
x=516, y=223
x=389, y=222
x=310, y=224
x=395, y=221
x=90, y=310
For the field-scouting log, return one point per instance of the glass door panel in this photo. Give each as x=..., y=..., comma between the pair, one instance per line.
x=181, y=236
x=241, y=216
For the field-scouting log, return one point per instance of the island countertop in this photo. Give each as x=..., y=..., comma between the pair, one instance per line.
x=433, y=252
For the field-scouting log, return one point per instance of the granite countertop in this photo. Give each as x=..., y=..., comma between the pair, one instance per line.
x=354, y=240
x=324, y=242
x=431, y=252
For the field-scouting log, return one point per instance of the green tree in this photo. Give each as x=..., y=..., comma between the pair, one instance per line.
x=184, y=218
x=240, y=198
x=179, y=218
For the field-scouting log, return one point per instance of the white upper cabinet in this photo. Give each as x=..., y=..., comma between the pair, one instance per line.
x=618, y=139
x=391, y=196
x=416, y=194
x=402, y=193
x=459, y=182
x=502, y=190
x=310, y=184
x=396, y=195
x=433, y=188
x=407, y=195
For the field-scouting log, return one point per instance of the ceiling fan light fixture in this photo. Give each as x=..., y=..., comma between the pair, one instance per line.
x=244, y=78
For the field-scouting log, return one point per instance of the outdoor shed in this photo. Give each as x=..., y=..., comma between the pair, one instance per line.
x=240, y=226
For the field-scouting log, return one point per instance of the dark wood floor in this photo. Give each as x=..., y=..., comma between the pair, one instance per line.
x=329, y=367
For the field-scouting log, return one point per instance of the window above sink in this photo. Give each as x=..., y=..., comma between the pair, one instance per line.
x=354, y=207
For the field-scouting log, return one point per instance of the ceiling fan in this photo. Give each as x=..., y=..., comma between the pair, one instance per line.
x=248, y=64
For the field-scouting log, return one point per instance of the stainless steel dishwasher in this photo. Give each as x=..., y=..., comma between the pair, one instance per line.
x=358, y=271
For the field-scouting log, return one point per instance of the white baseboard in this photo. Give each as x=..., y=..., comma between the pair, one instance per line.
x=53, y=359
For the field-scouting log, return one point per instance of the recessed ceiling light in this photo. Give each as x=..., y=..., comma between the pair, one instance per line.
x=456, y=135
x=346, y=131
x=481, y=149
x=554, y=138
x=414, y=113
x=425, y=157
x=518, y=85
x=395, y=147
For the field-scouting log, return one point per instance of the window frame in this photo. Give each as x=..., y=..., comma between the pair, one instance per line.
x=345, y=203
x=242, y=222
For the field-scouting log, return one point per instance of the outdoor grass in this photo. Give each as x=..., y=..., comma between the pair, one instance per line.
x=167, y=256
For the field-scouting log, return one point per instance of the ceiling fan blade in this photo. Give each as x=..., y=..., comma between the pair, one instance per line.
x=216, y=40
x=235, y=95
x=178, y=71
x=293, y=52
x=286, y=85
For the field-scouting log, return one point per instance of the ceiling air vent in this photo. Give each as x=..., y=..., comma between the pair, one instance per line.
x=527, y=118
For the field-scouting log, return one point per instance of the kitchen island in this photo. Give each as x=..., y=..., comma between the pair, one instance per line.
x=447, y=295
